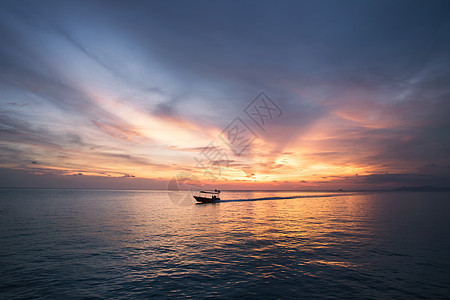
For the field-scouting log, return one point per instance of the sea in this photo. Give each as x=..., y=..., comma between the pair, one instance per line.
x=116, y=244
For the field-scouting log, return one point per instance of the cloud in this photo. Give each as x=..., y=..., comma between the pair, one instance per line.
x=140, y=87
x=20, y=178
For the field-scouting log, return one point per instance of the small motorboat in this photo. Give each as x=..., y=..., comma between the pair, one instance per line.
x=208, y=196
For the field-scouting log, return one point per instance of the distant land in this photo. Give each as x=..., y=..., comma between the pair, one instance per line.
x=424, y=188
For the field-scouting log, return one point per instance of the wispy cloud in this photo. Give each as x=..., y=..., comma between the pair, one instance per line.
x=140, y=88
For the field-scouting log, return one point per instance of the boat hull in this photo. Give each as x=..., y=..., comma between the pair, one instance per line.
x=206, y=200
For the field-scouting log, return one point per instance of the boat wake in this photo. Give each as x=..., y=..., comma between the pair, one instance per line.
x=285, y=198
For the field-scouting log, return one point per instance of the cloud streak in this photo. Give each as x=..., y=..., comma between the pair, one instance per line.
x=142, y=88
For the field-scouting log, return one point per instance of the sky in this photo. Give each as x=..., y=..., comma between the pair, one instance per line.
x=229, y=94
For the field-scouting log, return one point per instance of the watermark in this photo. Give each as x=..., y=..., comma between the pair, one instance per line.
x=182, y=188
x=213, y=160
x=262, y=110
x=238, y=137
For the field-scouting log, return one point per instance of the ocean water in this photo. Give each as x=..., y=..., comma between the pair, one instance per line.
x=60, y=244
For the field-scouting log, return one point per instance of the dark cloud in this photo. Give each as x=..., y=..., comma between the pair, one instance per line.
x=21, y=178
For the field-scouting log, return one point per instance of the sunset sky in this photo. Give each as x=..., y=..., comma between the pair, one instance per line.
x=130, y=94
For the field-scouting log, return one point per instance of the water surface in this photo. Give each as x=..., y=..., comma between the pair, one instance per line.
x=102, y=243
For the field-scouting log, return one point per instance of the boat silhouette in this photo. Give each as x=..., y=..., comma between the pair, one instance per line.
x=208, y=196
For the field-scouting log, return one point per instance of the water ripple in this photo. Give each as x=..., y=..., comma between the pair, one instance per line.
x=137, y=244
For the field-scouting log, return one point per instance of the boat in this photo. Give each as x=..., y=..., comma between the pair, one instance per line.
x=208, y=196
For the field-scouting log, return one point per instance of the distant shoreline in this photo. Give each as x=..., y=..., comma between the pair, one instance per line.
x=399, y=189
x=422, y=189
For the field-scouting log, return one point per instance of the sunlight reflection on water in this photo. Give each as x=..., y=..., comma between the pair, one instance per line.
x=92, y=243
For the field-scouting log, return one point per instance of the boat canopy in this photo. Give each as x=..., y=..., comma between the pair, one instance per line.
x=210, y=192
